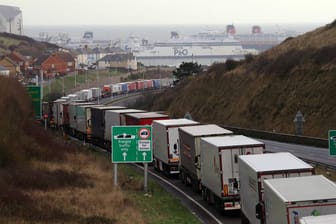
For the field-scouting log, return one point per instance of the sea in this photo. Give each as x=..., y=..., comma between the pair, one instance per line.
x=151, y=33
x=154, y=33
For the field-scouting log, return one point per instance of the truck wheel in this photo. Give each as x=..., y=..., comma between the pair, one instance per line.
x=219, y=205
x=204, y=194
x=244, y=220
x=183, y=177
x=156, y=165
x=166, y=170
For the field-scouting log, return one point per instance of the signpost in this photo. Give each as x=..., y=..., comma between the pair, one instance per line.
x=332, y=142
x=131, y=144
x=35, y=93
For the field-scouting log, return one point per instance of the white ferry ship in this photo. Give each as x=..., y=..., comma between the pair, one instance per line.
x=204, y=48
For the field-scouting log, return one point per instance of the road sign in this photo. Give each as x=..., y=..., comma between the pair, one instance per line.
x=332, y=142
x=35, y=93
x=131, y=144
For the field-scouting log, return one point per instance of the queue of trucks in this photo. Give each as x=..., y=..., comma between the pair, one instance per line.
x=229, y=171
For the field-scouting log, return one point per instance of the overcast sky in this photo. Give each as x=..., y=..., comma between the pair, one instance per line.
x=114, y=12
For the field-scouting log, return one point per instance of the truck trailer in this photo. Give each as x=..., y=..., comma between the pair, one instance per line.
x=116, y=118
x=83, y=125
x=289, y=199
x=321, y=219
x=145, y=118
x=220, y=171
x=98, y=121
x=190, y=148
x=166, y=150
x=74, y=112
x=254, y=169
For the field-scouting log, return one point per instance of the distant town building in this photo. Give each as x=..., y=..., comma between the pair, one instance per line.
x=56, y=64
x=9, y=64
x=11, y=20
x=125, y=61
x=4, y=71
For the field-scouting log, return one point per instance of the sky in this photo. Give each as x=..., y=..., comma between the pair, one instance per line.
x=147, y=12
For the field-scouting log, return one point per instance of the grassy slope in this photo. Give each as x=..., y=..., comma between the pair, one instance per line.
x=44, y=179
x=267, y=92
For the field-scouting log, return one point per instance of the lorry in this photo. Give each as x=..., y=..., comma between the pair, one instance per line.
x=289, y=199
x=145, y=118
x=83, y=121
x=321, y=219
x=85, y=94
x=190, y=140
x=254, y=169
x=96, y=93
x=57, y=110
x=166, y=150
x=74, y=111
x=220, y=171
x=98, y=122
x=116, y=118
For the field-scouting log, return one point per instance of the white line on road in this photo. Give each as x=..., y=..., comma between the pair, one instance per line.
x=187, y=196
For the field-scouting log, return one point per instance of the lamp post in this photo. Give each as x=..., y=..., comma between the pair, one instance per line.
x=63, y=86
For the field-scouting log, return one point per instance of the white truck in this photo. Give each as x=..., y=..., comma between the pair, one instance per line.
x=190, y=148
x=85, y=94
x=116, y=118
x=289, y=199
x=321, y=219
x=57, y=110
x=220, y=171
x=254, y=169
x=166, y=150
x=96, y=93
x=83, y=124
x=73, y=114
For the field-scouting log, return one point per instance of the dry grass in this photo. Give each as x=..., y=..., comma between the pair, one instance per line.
x=97, y=199
x=44, y=179
x=78, y=190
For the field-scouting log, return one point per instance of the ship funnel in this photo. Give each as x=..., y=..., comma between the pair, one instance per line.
x=256, y=29
x=230, y=30
x=174, y=35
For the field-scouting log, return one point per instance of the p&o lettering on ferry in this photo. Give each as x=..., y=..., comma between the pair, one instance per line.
x=180, y=52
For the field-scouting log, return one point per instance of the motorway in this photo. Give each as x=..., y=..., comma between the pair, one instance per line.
x=206, y=213
x=202, y=210
x=308, y=153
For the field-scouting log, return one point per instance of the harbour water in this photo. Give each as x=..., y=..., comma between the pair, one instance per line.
x=158, y=32
x=166, y=55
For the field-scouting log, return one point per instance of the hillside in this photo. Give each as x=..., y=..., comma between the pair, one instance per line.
x=23, y=44
x=267, y=90
x=47, y=178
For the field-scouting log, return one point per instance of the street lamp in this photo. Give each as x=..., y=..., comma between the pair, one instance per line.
x=63, y=86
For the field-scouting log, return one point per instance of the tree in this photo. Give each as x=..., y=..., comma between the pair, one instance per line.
x=187, y=69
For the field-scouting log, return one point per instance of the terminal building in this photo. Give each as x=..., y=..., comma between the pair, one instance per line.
x=11, y=20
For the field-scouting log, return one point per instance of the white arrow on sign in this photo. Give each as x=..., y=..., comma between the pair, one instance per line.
x=144, y=155
x=124, y=155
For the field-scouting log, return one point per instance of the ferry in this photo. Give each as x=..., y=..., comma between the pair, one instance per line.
x=204, y=48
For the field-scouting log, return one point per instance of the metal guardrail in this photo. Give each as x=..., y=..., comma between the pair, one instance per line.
x=295, y=139
x=319, y=164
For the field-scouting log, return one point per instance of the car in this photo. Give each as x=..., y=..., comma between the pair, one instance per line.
x=124, y=136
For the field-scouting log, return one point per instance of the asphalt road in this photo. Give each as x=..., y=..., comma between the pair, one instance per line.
x=319, y=155
x=203, y=211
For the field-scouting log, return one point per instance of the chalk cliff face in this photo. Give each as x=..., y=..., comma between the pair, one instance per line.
x=268, y=90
